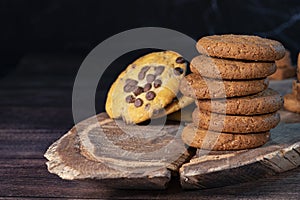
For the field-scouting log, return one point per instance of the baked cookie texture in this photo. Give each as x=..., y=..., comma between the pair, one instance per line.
x=285, y=69
x=231, y=69
x=146, y=86
x=235, y=123
x=291, y=103
x=264, y=102
x=285, y=61
x=198, y=87
x=241, y=47
x=216, y=141
x=292, y=100
x=235, y=110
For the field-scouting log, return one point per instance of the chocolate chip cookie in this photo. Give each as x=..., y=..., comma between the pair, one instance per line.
x=198, y=87
x=267, y=101
x=146, y=86
x=204, y=139
x=242, y=47
x=231, y=69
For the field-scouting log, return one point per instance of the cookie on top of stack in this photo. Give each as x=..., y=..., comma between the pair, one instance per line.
x=235, y=108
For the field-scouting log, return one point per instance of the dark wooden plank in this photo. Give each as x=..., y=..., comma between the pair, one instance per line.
x=30, y=178
x=40, y=97
x=13, y=117
x=16, y=143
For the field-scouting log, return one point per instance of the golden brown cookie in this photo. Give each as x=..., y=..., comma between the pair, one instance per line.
x=286, y=61
x=283, y=73
x=231, y=69
x=235, y=123
x=267, y=101
x=197, y=87
x=244, y=47
x=147, y=85
x=291, y=103
x=204, y=139
x=296, y=89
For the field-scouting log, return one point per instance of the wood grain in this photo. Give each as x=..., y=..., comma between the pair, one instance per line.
x=101, y=148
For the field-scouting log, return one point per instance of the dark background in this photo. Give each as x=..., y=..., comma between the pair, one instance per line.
x=79, y=25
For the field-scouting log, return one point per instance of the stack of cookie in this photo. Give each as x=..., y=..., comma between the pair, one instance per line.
x=235, y=109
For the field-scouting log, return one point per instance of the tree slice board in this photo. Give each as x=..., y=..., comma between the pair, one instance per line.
x=121, y=156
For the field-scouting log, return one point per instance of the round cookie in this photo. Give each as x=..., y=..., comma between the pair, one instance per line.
x=197, y=87
x=267, y=101
x=286, y=61
x=291, y=103
x=235, y=123
x=231, y=69
x=204, y=139
x=146, y=86
x=243, y=47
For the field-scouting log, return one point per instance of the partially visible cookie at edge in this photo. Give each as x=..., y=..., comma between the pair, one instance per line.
x=147, y=85
x=242, y=47
x=291, y=103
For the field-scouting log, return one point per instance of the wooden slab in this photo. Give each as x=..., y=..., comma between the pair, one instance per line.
x=100, y=148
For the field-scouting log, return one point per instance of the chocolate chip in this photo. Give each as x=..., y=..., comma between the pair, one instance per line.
x=129, y=88
x=150, y=78
x=142, y=73
x=138, y=91
x=178, y=71
x=147, y=106
x=147, y=87
x=180, y=60
x=130, y=81
x=138, y=102
x=150, y=95
x=159, y=70
x=130, y=99
x=157, y=83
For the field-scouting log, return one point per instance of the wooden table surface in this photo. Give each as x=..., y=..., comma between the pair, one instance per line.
x=36, y=109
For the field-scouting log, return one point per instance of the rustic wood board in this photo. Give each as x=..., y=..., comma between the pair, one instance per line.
x=84, y=154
